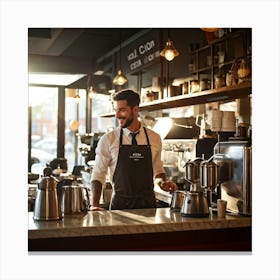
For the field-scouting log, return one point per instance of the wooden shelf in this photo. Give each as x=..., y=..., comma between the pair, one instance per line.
x=207, y=96
x=209, y=68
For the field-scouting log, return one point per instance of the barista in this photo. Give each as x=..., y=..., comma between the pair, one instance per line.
x=132, y=153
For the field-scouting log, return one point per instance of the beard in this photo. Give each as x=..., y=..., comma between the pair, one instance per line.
x=127, y=121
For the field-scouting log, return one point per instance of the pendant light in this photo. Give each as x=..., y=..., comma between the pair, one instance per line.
x=90, y=88
x=169, y=52
x=77, y=97
x=120, y=79
x=91, y=92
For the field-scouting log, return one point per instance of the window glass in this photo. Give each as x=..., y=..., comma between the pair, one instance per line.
x=43, y=102
x=75, y=123
x=101, y=104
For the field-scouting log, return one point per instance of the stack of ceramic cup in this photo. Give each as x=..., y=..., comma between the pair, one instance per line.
x=228, y=122
x=216, y=120
x=223, y=121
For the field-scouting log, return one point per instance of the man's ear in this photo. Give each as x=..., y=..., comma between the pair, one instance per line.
x=136, y=109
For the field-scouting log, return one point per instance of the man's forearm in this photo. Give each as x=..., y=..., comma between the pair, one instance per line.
x=96, y=187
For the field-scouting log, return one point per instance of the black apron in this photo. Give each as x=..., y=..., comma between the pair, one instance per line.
x=133, y=177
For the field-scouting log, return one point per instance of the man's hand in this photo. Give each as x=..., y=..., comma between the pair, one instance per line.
x=164, y=184
x=167, y=186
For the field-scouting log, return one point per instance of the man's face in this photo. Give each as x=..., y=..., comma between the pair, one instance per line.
x=124, y=113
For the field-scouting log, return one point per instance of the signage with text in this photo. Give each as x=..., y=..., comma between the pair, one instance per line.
x=141, y=53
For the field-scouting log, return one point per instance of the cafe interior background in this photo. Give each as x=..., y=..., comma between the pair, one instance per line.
x=75, y=72
x=76, y=114
x=67, y=117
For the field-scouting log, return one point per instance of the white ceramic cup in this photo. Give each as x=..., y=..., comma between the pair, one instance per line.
x=222, y=207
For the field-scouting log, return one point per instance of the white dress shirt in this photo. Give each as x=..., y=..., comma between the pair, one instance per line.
x=107, y=152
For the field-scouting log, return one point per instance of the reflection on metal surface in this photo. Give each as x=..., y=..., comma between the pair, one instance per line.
x=105, y=218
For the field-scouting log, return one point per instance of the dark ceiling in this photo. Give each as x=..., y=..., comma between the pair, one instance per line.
x=88, y=43
x=76, y=50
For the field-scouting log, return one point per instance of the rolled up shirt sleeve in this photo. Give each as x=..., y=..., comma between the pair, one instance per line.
x=156, y=151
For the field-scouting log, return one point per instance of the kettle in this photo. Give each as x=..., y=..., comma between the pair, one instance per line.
x=74, y=200
x=195, y=205
x=47, y=206
x=177, y=200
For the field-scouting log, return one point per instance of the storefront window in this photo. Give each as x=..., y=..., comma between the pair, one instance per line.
x=75, y=124
x=101, y=104
x=43, y=103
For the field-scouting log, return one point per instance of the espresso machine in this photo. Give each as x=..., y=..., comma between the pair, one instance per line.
x=234, y=159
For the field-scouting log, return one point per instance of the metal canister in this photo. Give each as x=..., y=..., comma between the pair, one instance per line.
x=225, y=167
x=209, y=174
x=192, y=170
x=177, y=200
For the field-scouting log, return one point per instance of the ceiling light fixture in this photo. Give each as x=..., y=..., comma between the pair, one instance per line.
x=91, y=92
x=120, y=79
x=90, y=88
x=169, y=52
x=77, y=97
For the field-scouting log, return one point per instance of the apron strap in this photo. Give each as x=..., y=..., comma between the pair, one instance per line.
x=121, y=135
x=148, y=142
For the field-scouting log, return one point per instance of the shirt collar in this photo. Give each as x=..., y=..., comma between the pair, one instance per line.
x=126, y=131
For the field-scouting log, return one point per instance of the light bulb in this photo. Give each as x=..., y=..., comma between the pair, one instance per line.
x=169, y=52
x=169, y=55
x=91, y=92
x=77, y=98
x=120, y=79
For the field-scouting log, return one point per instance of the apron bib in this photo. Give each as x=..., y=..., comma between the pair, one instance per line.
x=133, y=177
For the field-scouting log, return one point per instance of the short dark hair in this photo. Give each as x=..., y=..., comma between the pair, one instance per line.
x=130, y=96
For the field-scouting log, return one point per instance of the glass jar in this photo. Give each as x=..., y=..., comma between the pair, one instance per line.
x=244, y=70
x=194, y=86
x=219, y=79
x=230, y=78
x=204, y=84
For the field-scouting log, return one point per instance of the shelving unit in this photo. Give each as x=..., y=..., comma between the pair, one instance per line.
x=220, y=94
x=235, y=47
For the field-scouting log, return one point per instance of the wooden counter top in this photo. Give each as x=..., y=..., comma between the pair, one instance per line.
x=123, y=222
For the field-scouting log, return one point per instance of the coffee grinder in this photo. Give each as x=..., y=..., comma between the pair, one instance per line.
x=195, y=202
x=210, y=179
